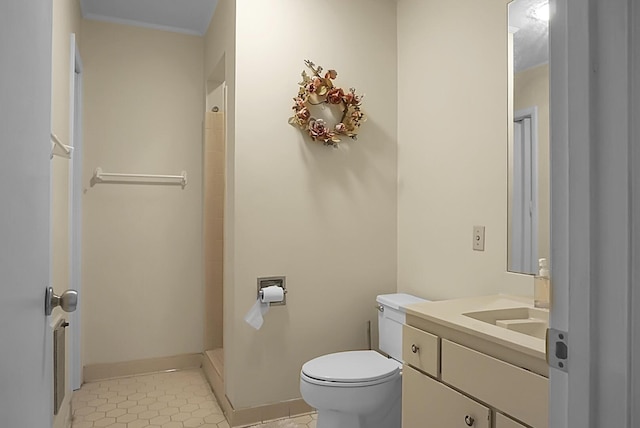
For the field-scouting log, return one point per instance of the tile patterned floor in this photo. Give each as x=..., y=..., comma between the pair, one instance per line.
x=180, y=399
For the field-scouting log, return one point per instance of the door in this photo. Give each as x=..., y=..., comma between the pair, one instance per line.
x=26, y=356
x=75, y=209
x=595, y=212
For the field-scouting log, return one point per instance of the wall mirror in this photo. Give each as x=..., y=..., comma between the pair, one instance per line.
x=528, y=152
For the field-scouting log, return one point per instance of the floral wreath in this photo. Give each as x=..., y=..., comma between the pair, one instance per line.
x=318, y=90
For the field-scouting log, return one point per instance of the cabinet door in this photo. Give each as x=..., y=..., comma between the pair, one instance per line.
x=429, y=403
x=510, y=389
x=421, y=350
x=504, y=422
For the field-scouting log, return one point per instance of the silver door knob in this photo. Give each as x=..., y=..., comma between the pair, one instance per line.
x=415, y=349
x=469, y=420
x=68, y=301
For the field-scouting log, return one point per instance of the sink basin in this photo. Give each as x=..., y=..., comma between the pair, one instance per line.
x=529, y=321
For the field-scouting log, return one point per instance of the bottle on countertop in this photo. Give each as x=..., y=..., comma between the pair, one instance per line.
x=542, y=285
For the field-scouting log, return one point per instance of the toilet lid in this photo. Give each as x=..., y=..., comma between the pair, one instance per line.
x=351, y=367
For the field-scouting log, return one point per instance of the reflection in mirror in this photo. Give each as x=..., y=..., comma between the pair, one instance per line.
x=528, y=180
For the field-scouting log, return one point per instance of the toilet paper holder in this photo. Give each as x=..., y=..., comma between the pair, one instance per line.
x=278, y=281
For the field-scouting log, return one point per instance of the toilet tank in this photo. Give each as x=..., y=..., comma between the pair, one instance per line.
x=391, y=316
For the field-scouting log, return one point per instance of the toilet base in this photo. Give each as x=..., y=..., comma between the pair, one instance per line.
x=385, y=418
x=331, y=419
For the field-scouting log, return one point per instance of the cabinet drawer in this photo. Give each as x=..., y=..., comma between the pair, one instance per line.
x=420, y=349
x=427, y=402
x=504, y=422
x=508, y=388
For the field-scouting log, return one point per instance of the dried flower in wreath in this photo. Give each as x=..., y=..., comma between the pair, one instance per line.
x=319, y=89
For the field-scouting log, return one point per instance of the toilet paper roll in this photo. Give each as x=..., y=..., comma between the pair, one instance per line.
x=255, y=315
x=272, y=294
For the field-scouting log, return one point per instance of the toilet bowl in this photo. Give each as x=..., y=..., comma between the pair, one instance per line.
x=361, y=389
x=356, y=389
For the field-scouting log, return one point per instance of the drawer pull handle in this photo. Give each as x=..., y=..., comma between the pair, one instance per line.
x=415, y=349
x=469, y=420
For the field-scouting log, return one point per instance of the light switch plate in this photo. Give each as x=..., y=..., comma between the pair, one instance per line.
x=478, y=238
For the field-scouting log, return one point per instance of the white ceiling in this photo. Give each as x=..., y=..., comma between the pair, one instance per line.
x=182, y=16
x=531, y=42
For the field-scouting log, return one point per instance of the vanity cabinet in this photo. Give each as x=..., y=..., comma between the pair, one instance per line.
x=451, y=384
x=427, y=402
x=504, y=422
x=513, y=390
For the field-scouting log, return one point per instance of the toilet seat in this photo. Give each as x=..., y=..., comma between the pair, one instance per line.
x=350, y=369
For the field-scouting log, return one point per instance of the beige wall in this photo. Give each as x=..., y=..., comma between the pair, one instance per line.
x=66, y=20
x=142, y=244
x=213, y=227
x=452, y=153
x=531, y=89
x=220, y=66
x=324, y=218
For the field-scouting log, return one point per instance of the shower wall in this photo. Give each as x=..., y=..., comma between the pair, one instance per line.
x=213, y=216
x=142, y=244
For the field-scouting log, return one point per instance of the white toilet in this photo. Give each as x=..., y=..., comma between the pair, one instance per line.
x=361, y=389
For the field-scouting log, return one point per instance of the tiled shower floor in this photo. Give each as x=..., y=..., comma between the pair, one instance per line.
x=180, y=399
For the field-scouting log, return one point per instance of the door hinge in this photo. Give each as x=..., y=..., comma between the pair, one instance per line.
x=557, y=349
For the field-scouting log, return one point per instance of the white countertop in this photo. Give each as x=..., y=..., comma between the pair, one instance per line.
x=449, y=313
